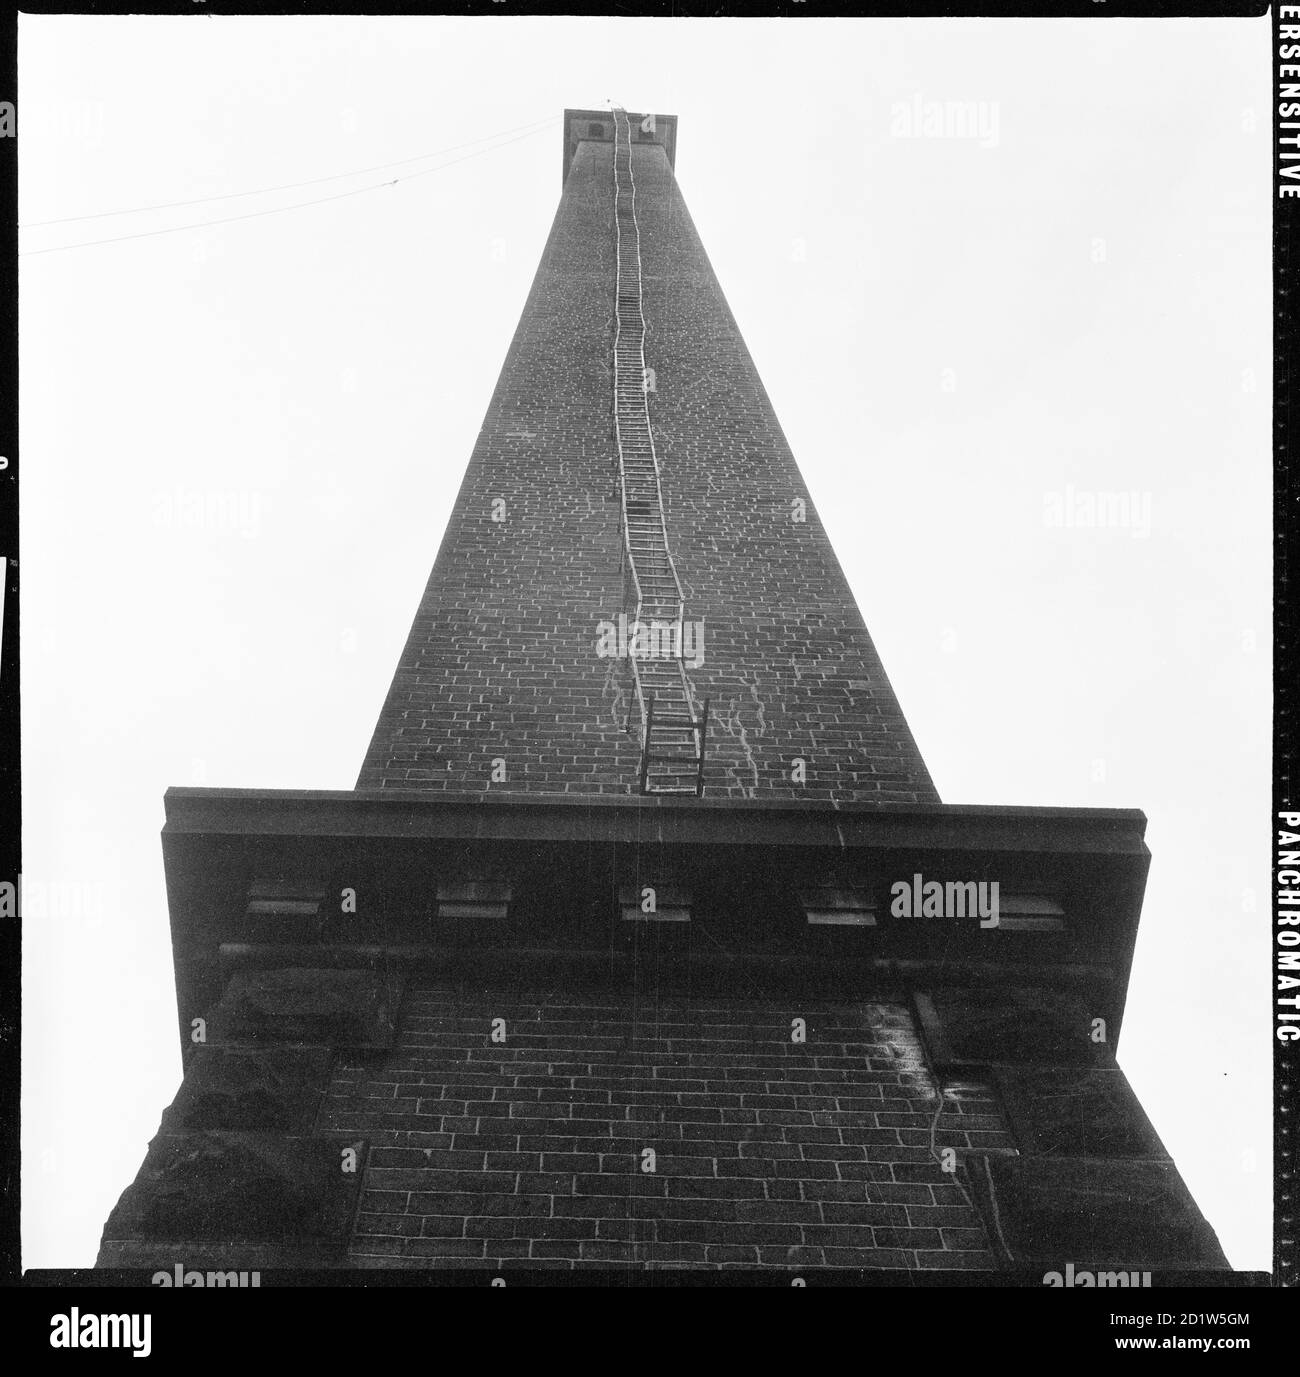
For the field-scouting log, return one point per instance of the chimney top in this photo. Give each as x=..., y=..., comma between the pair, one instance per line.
x=598, y=126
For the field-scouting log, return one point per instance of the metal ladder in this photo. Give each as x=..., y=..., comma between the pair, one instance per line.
x=672, y=733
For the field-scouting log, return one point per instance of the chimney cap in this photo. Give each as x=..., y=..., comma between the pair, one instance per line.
x=598, y=126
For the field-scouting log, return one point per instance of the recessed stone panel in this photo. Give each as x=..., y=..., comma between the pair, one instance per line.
x=1104, y=1214
x=1020, y=1027
x=296, y=1005
x=1074, y=1111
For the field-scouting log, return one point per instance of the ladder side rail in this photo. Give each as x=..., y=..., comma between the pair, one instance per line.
x=701, y=736
x=663, y=524
x=645, y=749
x=618, y=435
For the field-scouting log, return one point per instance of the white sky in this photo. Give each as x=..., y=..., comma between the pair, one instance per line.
x=1097, y=281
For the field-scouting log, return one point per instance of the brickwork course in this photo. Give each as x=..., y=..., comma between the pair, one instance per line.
x=766, y=1150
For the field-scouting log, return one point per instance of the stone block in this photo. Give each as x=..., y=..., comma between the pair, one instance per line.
x=245, y=1188
x=1095, y=1214
x=296, y=1005
x=1019, y=1027
x=250, y=1088
x=1075, y=1111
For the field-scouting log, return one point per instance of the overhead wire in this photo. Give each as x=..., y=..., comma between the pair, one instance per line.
x=287, y=186
x=279, y=210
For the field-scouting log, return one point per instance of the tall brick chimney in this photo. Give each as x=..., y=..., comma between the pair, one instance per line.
x=502, y=661
x=667, y=957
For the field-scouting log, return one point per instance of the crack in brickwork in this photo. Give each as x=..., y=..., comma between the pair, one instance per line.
x=731, y=721
x=619, y=705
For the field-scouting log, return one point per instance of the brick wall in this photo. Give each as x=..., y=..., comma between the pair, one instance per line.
x=768, y=1152
x=501, y=663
